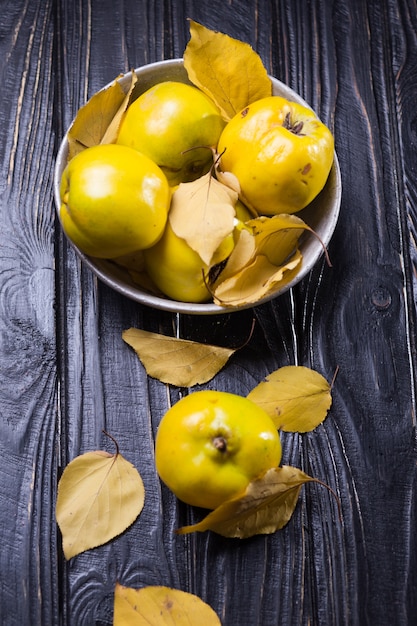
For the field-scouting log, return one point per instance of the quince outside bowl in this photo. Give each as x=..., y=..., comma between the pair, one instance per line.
x=321, y=215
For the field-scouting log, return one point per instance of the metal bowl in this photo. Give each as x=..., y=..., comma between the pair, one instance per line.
x=321, y=215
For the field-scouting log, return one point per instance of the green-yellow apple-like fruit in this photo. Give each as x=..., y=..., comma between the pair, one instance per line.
x=280, y=153
x=114, y=201
x=176, y=125
x=178, y=271
x=211, y=444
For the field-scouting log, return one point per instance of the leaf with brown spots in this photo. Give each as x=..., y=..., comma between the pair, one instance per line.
x=158, y=605
x=296, y=397
x=266, y=506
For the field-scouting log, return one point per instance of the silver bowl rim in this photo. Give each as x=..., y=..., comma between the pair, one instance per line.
x=164, y=303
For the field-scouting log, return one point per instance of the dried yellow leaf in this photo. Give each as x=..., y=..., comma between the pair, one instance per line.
x=175, y=361
x=296, y=397
x=157, y=605
x=112, y=131
x=243, y=254
x=266, y=506
x=277, y=237
x=99, y=119
x=265, y=256
x=255, y=281
x=99, y=496
x=274, y=237
x=226, y=69
x=203, y=213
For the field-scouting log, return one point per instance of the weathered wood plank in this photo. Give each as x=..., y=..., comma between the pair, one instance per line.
x=353, y=316
x=322, y=453
x=28, y=382
x=356, y=64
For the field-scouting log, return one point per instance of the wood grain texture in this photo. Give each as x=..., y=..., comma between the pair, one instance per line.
x=67, y=374
x=28, y=382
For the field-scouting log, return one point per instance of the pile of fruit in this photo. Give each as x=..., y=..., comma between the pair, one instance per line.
x=185, y=197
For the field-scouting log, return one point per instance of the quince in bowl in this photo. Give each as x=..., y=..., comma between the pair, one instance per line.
x=130, y=253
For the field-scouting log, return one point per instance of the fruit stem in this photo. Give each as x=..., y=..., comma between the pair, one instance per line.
x=293, y=128
x=220, y=443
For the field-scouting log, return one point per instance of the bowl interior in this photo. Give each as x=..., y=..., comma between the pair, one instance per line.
x=321, y=215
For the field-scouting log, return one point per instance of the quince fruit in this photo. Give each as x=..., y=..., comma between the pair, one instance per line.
x=178, y=270
x=177, y=126
x=279, y=152
x=211, y=444
x=114, y=201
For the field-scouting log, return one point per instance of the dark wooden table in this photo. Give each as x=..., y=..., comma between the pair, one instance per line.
x=66, y=373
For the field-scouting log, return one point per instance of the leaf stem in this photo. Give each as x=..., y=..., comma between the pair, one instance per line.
x=323, y=484
x=113, y=440
x=334, y=377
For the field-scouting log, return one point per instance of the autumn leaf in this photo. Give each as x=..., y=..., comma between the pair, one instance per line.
x=255, y=281
x=99, y=119
x=179, y=362
x=158, y=605
x=228, y=70
x=202, y=212
x=265, y=256
x=110, y=136
x=296, y=397
x=266, y=506
x=276, y=237
x=99, y=496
